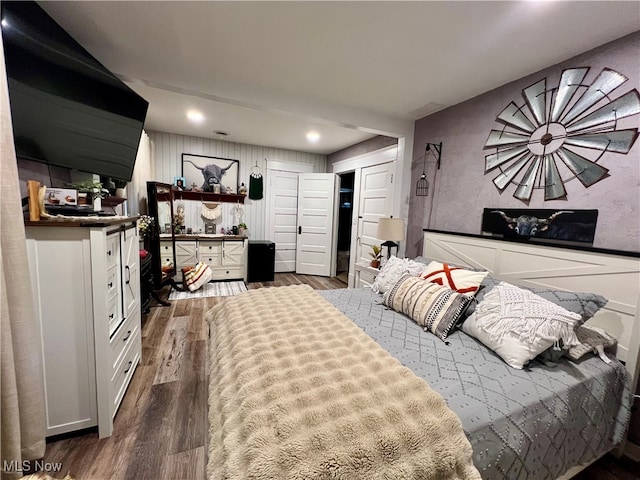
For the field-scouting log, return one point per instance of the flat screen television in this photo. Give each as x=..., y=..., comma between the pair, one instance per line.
x=67, y=109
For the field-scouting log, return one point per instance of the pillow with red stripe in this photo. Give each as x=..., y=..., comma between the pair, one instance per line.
x=459, y=279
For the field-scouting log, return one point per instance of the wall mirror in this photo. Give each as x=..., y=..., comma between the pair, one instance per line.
x=162, y=241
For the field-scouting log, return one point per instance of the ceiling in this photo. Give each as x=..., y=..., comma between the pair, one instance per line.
x=269, y=72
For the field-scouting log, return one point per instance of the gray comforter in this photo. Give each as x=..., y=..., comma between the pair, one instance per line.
x=534, y=423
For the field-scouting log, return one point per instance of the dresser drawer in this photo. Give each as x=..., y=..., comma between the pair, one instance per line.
x=166, y=249
x=123, y=373
x=209, y=248
x=113, y=314
x=113, y=248
x=112, y=281
x=228, y=273
x=128, y=333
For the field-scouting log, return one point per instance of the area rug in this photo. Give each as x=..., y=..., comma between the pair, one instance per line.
x=213, y=289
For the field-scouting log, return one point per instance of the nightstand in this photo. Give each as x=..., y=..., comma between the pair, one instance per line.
x=365, y=274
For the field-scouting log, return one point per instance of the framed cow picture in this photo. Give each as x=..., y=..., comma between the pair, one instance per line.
x=210, y=174
x=548, y=225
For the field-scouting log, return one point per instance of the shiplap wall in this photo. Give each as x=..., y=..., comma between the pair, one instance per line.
x=167, y=157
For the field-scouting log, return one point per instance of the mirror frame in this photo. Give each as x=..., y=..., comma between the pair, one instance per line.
x=161, y=192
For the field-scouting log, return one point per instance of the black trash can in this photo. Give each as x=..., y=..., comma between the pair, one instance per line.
x=261, y=261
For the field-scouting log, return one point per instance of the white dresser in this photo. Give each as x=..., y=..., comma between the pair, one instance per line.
x=86, y=288
x=227, y=256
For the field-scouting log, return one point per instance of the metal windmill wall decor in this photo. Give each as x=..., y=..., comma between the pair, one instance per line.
x=561, y=133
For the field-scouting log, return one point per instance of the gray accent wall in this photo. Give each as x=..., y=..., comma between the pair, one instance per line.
x=460, y=190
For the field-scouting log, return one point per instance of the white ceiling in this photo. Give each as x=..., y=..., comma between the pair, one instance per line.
x=269, y=72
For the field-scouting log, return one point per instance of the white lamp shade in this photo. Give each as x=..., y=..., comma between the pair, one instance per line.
x=391, y=229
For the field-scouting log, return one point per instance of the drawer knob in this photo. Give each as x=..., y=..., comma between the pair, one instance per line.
x=127, y=337
x=111, y=316
x=128, y=367
x=110, y=284
x=109, y=252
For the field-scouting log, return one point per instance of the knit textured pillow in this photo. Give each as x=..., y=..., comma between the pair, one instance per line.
x=435, y=308
x=392, y=270
x=518, y=325
x=583, y=303
x=456, y=278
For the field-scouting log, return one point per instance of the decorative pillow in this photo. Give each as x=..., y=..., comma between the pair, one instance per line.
x=519, y=325
x=456, y=278
x=393, y=270
x=197, y=276
x=592, y=339
x=434, y=307
x=583, y=303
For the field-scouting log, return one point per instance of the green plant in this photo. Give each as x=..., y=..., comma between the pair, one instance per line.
x=376, y=252
x=243, y=225
x=89, y=186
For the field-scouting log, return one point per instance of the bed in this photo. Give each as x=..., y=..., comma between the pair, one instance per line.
x=536, y=423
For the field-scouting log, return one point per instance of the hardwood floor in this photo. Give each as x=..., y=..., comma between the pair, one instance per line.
x=160, y=431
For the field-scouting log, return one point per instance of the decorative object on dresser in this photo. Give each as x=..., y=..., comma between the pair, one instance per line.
x=390, y=230
x=86, y=285
x=573, y=135
x=211, y=171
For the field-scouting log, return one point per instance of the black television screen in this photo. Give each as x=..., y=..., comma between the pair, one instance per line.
x=67, y=109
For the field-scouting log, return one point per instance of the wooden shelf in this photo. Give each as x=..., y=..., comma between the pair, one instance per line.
x=208, y=196
x=110, y=201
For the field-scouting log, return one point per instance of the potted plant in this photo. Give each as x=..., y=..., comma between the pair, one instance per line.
x=241, y=228
x=376, y=255
x=88, y=191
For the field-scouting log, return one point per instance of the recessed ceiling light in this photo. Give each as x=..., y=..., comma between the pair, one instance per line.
x=313, y=137
x=5, y=23
x=195, y=116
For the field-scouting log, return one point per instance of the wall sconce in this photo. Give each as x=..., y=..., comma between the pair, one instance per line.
x=422, y=187
x=391, y=230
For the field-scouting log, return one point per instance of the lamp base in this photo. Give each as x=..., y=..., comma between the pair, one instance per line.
x=390, y=244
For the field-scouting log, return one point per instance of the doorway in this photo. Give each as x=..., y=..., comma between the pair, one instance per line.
x=282, y=210
x=345, y=219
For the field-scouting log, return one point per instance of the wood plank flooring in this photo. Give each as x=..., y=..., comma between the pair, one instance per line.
x=160, y=431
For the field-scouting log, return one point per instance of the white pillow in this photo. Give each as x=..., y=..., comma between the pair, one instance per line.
x=459, y=279
x=393, y=270
x=519, y=325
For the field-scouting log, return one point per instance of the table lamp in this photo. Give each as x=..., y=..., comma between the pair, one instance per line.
x=391, y=230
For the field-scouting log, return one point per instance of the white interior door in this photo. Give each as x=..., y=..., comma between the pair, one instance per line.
x=375, y=194
x=282, y=211
x=284, y=186
x=317, y=236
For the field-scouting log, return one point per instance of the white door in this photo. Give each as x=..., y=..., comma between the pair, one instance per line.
x=376, y=191
x=283, y=189
x=317, y=202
